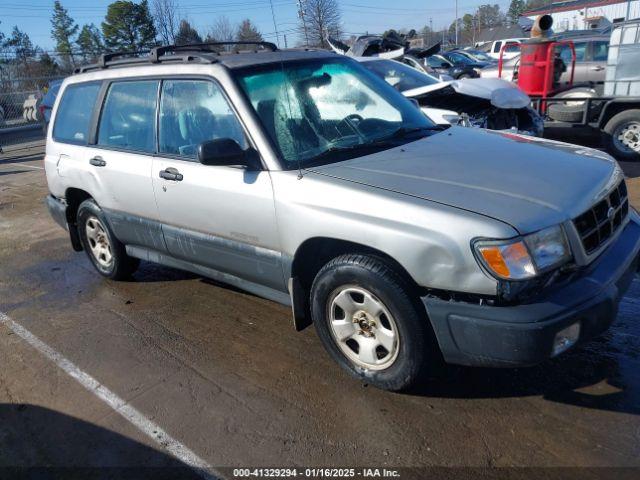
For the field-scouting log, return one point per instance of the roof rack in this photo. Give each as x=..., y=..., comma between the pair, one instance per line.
x=159, y=54
x=110, y=60
x=206, y=47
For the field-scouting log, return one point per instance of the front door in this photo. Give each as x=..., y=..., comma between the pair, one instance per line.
x=598, y=63
x=217, y=216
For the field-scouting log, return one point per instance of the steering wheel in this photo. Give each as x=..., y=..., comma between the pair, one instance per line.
x=352, y=121
x=354, y=116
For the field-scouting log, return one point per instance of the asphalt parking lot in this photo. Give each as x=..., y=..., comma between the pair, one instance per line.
x=190, y=371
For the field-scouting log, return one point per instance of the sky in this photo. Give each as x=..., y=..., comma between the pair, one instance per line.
x=358, y=16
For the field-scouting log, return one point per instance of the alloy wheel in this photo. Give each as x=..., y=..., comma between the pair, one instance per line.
x=363, y=328
x=99, y=242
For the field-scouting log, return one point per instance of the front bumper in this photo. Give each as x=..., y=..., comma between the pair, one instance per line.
x=522, y=335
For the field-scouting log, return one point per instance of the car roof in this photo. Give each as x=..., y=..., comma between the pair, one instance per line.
x=231, y=60
x=241, y=60
x=584, y=38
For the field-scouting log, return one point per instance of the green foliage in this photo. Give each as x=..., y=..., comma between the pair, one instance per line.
x=516, y=7
x=128, y=26
x=21, y=45
x=533, y=4
x=90, y=42
x=47, y=66
x=187, y=34
x=63, y=28
x=247, y=32
x=489, y=16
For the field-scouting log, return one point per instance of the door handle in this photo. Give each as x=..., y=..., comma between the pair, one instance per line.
x=98, y=162
x=171, y=174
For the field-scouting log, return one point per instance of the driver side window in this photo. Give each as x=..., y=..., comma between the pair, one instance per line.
x=192, y=112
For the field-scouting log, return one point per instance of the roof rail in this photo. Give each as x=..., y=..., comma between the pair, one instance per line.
x=157, y=52
x=108, y=60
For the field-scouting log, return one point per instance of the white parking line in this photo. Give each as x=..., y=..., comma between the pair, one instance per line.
x=133, y=416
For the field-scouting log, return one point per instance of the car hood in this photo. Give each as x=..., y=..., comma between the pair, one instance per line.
x=526, y=182
x=501, y=93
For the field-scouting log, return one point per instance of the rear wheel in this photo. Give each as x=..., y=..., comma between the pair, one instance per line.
x=623, y=135
x=105, y=251
x=370, y=323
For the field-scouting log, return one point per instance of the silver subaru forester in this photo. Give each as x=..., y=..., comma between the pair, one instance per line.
x=301, y=177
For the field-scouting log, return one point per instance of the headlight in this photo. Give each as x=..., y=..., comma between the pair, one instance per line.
x=524, y=257
x=452, y=119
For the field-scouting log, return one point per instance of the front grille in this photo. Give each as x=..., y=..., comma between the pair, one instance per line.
x=597, y=225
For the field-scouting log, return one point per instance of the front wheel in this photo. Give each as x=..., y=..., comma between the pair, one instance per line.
x=623, y=135
x=370, y=323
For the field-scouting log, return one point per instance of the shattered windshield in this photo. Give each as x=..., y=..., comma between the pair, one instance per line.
x=399, y=75
x=327, y=110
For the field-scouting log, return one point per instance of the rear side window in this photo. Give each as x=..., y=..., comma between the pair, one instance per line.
x=600, y=51
x=74, y=113
x=512, y=47
x=128, y=116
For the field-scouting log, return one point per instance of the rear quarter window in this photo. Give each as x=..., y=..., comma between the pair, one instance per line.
x=73, y=118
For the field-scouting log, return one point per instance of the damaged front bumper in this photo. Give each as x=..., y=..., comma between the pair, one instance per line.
x=526, y=334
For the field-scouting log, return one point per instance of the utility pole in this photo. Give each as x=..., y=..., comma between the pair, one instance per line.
x=430, y=30
x=275, y=25
x=456, y=22
x=301, y=10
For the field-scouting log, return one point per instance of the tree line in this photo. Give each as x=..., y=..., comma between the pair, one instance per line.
x=470, y=25
x=135, y=26
x=128, y=26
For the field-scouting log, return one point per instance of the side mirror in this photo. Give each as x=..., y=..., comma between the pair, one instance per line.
x=226, y=151
x=415, y=102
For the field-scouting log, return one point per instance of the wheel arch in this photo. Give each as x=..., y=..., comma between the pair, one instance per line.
x=74, y=197
x=312, y=255
x=611, y=109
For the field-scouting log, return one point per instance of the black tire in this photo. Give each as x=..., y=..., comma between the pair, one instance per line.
x=121, y=265
x=565, y=113
x=562, y=112
x=615, y=148
x=416, y=348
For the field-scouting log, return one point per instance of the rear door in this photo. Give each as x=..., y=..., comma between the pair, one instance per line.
x=122, y=157
x=222, y=217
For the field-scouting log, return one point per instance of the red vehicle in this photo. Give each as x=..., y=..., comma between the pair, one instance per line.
x=616, y=114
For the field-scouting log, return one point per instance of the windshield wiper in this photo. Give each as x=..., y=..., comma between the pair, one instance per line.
x=386, y=141
x=403, y=132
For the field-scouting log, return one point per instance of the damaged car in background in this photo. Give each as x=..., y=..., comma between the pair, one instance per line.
x=484, y=103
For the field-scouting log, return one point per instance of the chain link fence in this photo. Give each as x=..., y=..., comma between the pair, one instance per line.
x=23, y=112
